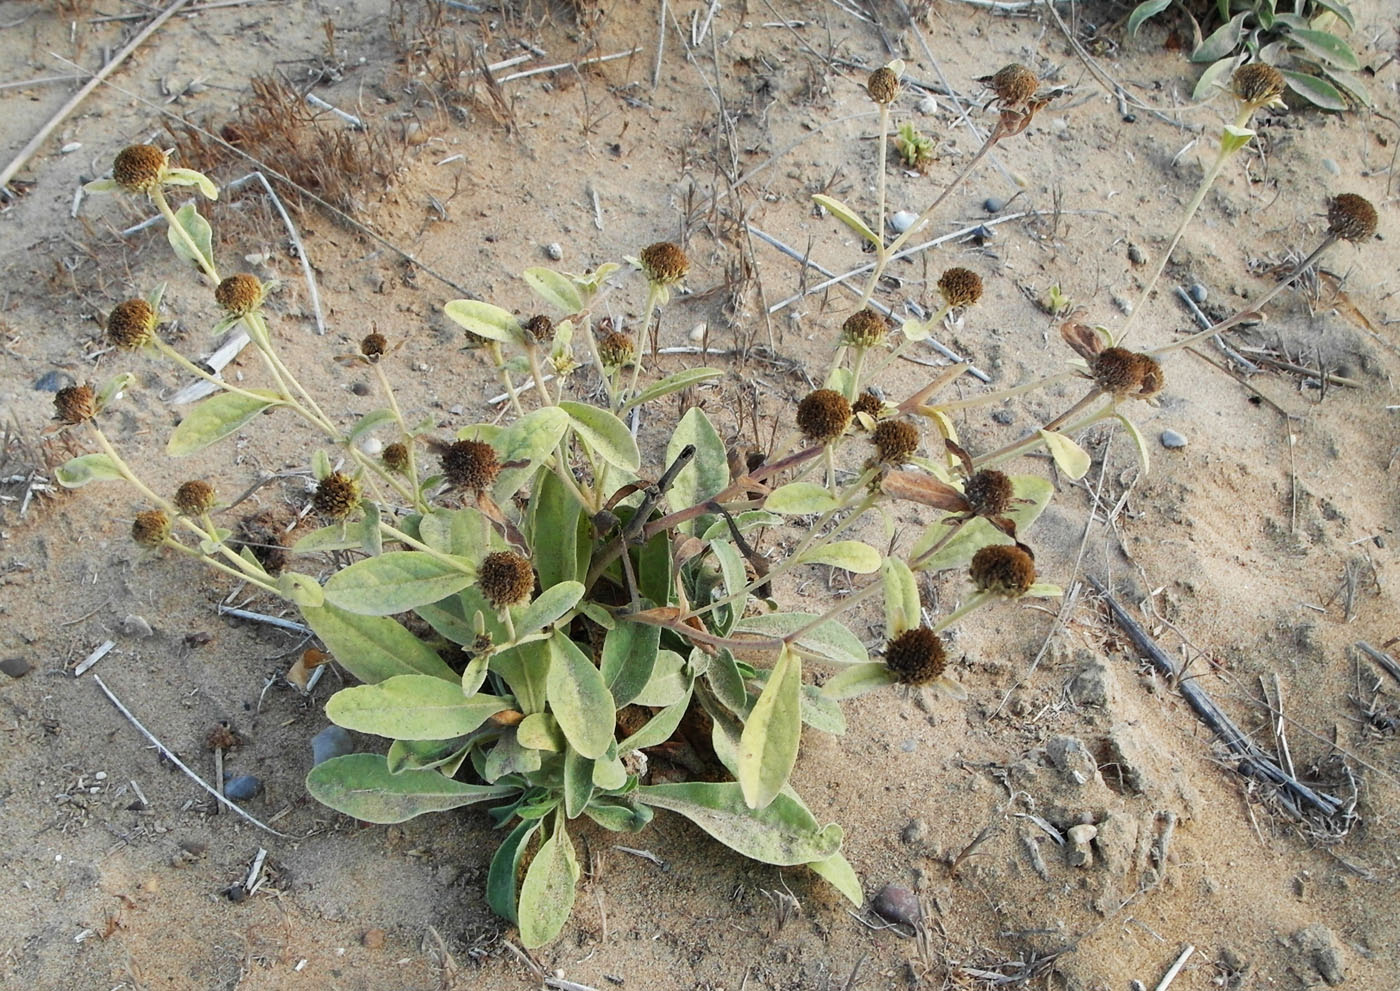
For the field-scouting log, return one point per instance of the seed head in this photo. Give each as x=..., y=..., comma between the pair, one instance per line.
x=151, y=528
x=823, y=415
x=863, y=329
x=138, y=168
x=505, y=579
x=541, y=328
x=336, y=496
x=1118, y=371
x=1014, y=84
x=895, y=441
x=1351, y=217
x=916, y=656
x=989, y=492
x=223, y=737
x=960, y=286
x=664, y=263
x=239, y=294
x=194, y=497
x=131, y=324
x=470, y=465
x=1153, y=380
x=616, y=350
x=374, y=345
x=868, y=403
x=75, y=404
x=1004, y=569
x=396, y=457
x=883, y=85
x=1257, y=83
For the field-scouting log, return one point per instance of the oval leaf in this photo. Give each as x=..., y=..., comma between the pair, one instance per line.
x=800, y=499
x=555, y=289
x=1318, y=92
x=673, y=383
x=903, y=610
x=851, y=555
x=484, y=320
x=549, y=607
x=1072, y=459
x=768, y=745
x=395, y=582
x=361, y=785
x=412, y=707
x=831, y=641
x=837, y=871
x=199, y=232
x=605, y=435
x=374, y=648
x=77, y=472
x=784, y=833
x=217, y=417
x=858, y=680
x=1143, y=11
x=629, y=656
x=579, y=698
x=847, y=216
x=547, y=896
x=707, y=473
x=1327, y=47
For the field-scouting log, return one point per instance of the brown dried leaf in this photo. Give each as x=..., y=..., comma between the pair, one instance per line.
x=925, y=490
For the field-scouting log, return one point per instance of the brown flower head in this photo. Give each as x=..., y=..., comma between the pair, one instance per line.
x=138, y=168
x=194, y=497
x=395, y=457
x=989, y=492
x=916, y=656
x=1153, y=380
x=823, y=415
x=1118, y=371
x=1351, y=217
x=337, y=495
x=151, y=528
x=470, y=465
x=239, y=294
x=664, y=263
x=223, y=737
x=895, y=441
x=1014, y=84
x=883, y=85
x=616, y=350
x=960, y=286
x=868, y=403
x=131, y=324
x=863, y=329
x=505, y=579
x=374, y=346
x=541, y=328
x=1003, y=569
x=1257, y=83
x=75, y=404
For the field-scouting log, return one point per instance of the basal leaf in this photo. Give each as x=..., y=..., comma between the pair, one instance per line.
x=836, y=870
x=1143, y=12
x=547, y=896
x=215, y=418
x=361, y=785
x=578, y=783
x=668, y=682
x=629, y=655
x=658, y=729
x=783, y=833
x=604, y=434
x=396, y=582
x=413, y=707
x=374, y=648
x=1222, y=41
x=505, y=868
x=525, y=667
x=768, y=746
x=579, y=698
x=540, y=731
x=553, y=524
x=1327, y=47
x=1318, y=92
x=421, y=755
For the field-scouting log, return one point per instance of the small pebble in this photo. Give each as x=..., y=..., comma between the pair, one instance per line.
x=1136, y=255
x=236, y=894
x=333, y=741
x=897, y=904
x=981, y=234
x=993, y=204
x=928, y=105
x=1331, y=166
x=372, y=446
x=53, y=381
x=100, y=776
x=1004, y=416
x=909, y=746
x=456, y=410
x=554, y=250
x=373, y=939
x=73, y=146
x=698, y=332
x=242, y=788
x=903, y=220
x=1172, y=440
x=359, y=388
x=1198, y=293
x=135, y=626
x=915, y=832
x=15, y=667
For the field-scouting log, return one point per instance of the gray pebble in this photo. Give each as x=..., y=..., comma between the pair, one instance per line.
x=993, y=204
x=1172, y=440
x=242, y=788
x=554, y=250
x=903, y=220
x=928, y=105
x=333, y=741
x=135, y=626
x=53, y=381
x=1198, y=293
x=15, y=667
x=897, y=904
x=1004, y=416
x=457, y=410
x=1331, y=166
x=981, y=234
x=360, y=388
x=915, y=832
x=1136, y=255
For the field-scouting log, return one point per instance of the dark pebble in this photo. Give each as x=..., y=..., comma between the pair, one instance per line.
x=1135, y=255
x=1198, y=293
x=1004, y=416
x=15, y=667
x=993, y=205
x=53, y=381
x=236, y=893
x=897, y=904
x=333, y=741
x=360, y=389
x=982, y=234
x=242, y=788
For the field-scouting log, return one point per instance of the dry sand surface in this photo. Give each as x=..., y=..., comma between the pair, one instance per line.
x=1259, y=554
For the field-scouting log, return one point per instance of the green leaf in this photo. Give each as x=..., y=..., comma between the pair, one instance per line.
x=1349, y=85
x=361, y=785
x=555, y=289
x=200, y=233
x=1033, y=494
x=395, y=582
x=460, y=532
x=1342, y=11
x=111, y=390
x=618, y=815
x=604, y=434
x=1143, y=12
x=658, y=729
x=683, y=379
x=579, y=698
x=374, y=648
x=903, y=611
x=189, y=177
x=484, y=320
x=552, y=604
x=509, y=756
x=707, y=473
x=524, y=667
x=529, y=440
x=1138, y=439
x=336, y=537
x=553, y=523
x=304, y=590
x=547, y=896
x=668, y=682
x=800, y=499
x=1216, y=75
x=413, y=707
x=1071, y=458
x=217, y=417
x=629, y=655
x=1327, y=47
x=540, y=731
x=727, y=683
x=1316, y=91
x=836, y=870
x=851, y=555
x=768, y=746
x=609, y=774
x=368, y=422
x=1233, y=138
x=829, y=640
x=822, y=713
x=750, y=519
x=422, y=755
x=847, y=216
x=858, y=680
x=783, y=833
x=1222, y=41
x=505, y=867
x=578, y=783
x=77, y=472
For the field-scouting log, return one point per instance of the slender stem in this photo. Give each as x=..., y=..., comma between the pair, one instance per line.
x=220, y=566
x=856, y=364
x=976, y=600
x=507, y=622
x=1032, y=441
x=996, y=397
x=389, y=530
x=504, y=375
x=163, y=205
x=880, y=172
x=653, y=295
x=997, y=133
x=533, y=356
x=194, y=369
x=255, y=320
x=916, y=563
x=416, y=496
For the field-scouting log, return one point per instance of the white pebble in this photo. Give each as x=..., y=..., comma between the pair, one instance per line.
x=71, y=147
x=697, y=333
x=928, y=105
x=101, y=775
x=1171, y=439
x=372, y=446
x=903, y=220
x=554, y=250
x=1331, y=166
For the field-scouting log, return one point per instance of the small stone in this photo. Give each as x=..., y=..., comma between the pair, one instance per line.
x=1172, y=440
x=15, y=667
x=70, y=147
x=1198, y=293
x=1072, y=759
x=897, y=904
x=359, y=388
x=554, y=250
x=242, y=788
x=1080, y=854
x=993, y=204
x=928, y=105
x=1004, y=416
x=1125, y=305
x=903, y=220
x=915, y=832
x=1136, y=255
x=373, y=939
x=372, y=446
x=1331, y=166
x=981, y=234
x=53, y=381
x=135, y=626
x=333, y=741
x=236, y=894
x=698, y=332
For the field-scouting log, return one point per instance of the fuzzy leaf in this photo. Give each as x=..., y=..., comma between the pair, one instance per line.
x=1222, y=41
x=783, y=833
x=668, y=681
x=555, y=289
x=525, y=667
x=902, y=607
x=847, y=216
x=422, y=755
x=77, y=472
x=1071, y=458
x=484, y=320
x=1138, y=439
x=460, y=532
x=836, y=870
x=629, y=656
x=505, y=867
x=215, y=418
x=1327, y=47
x=578, y=783
x=1318, y=92
x=547, y=896
x=658, y=729
x=189, y=177
x=336, y=537
x=605, y=435
x=361, y=785
x=673, y=383
x=1216, y=74
x=858, y=680
x=1143, y=12
x=413, y=707
x=552, y=604
x=850, y=555
x=831, y=641
x=540, y=731
x=707, y=473
x=374, y=648
x=395, y=582
x=304, y=590
x=200, y=233
x=368, y=422
x=579, y=698
x=768, y=745
x=800, y=499
x=553, y=523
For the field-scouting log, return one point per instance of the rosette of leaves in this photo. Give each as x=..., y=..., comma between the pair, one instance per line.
x=1303, y=43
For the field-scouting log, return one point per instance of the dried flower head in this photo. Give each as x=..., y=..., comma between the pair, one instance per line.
x=1003, y=569
x=395, y=457
x=616, y=350
x=131, y=324
x=505, y=579
x=1118, y=371
x=470, y=465
x=541, y=328
x=823, y=415
x=223, y=737
x=139, y=168
x=883, y=85
x=1351, y=217
x=895, y=441
x=916, y=656
x=337, y=495
x=1014, y=84
x=960, y=286
x=1153, y=379
x=1257, y=83
x=75, y=404
x=989, y=492
x=863, y=329
x=194, y=497
x=264, y=535
x=868, y=403
x=239, y=294
x=374, y=346
x=664, y=263
x=151, y=528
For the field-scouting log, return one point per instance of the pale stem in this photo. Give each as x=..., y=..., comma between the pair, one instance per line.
x=974, y=601
x=220, y=566
x=1031, y=441
x=996, y=397
x=389, y=530
x=916, y=563
x=653, y=294
x=416, y=495
x=532, y=355
x=194, y=369
x=255, y=319
x=206, y=264
x=507, y=622
x=495, y=348
x=856, y=366
x=880, y=172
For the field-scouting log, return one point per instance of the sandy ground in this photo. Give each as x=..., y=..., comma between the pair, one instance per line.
x=1260, y=553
